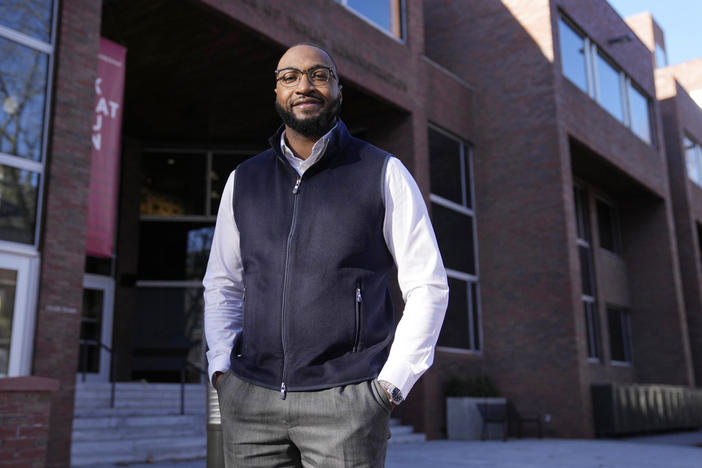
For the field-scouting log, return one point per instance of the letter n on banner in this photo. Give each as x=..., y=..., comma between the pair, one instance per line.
x=106, y=142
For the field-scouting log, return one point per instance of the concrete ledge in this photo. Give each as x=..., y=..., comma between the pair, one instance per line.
x=28, y=383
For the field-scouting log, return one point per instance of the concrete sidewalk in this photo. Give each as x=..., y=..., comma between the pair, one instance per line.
x=677, y=450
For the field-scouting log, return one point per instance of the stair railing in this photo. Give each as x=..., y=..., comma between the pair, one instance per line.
x=113, y=361
x=183, y=369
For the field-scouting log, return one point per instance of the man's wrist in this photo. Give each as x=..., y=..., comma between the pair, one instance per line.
x=394, y=394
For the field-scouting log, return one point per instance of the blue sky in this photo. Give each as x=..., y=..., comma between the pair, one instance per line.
x=681, y=21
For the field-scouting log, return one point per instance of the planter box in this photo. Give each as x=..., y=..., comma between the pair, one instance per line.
x=463, y=420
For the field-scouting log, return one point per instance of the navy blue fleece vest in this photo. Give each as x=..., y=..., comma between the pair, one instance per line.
x=317, y=308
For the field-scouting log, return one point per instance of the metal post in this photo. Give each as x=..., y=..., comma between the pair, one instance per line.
x=215, y=444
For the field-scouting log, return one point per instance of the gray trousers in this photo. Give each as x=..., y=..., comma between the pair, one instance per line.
x=345, y=426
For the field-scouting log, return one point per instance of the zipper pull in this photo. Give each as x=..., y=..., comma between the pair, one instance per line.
x=296, y=188
x=283, y=391
x=359, y=298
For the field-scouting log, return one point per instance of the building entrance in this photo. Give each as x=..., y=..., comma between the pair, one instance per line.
x=96, y=328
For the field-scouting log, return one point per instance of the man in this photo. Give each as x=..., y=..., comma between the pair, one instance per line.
x=298, y=315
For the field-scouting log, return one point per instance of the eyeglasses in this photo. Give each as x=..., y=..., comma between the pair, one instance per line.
x=317, y=76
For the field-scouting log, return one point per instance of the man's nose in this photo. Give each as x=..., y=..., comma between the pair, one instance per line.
x=305, y=84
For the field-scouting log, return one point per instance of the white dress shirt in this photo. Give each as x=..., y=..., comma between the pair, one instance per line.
x=410, y=239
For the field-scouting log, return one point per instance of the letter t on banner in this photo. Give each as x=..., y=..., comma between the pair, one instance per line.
x=106, y=141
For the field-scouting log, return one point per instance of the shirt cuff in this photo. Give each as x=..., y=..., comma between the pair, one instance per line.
x=400, y=375
x=219, y=363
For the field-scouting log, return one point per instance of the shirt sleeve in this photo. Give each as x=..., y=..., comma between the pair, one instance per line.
x=224, y=290
x=421, y=275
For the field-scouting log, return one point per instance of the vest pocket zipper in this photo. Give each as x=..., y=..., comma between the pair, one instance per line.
x=357, y=331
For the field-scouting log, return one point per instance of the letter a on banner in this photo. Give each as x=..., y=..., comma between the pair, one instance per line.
x=106, y=141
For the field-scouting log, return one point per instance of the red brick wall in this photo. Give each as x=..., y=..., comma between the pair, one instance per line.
x=65, y=209
x=526, y=286
x=25, y=404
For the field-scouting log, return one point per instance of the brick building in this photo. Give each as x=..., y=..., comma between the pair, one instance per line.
x=533, y=131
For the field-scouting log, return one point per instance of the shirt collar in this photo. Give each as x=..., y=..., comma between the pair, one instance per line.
x=299, y=164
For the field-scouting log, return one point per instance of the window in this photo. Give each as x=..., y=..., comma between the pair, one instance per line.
x=591, y=70
x=693, y=160
x=609, y=93
x=608, y=227
x=25, y=63
x=180, y=194
x=388, y=15
x=573, y=55
x=454, y=223
x=619, y=334
x=587, y=273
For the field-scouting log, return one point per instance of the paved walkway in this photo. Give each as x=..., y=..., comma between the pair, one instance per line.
x=678, y=450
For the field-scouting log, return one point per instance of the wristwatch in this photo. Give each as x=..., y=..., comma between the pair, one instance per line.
x=394, y=394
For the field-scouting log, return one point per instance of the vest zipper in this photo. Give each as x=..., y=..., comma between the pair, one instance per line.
x=357, y=335
x=295, y=191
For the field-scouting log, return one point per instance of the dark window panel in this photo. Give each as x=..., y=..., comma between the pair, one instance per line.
x=24, y=73
x=445, y=166
x=455, y=332
x=608, y=227
x=592, y=328
x=173, y=184
x=454, y=233
x=222, y=166
x=174, y=250
x=582, y=214
x=468, y=178
x=586, y=273
x=30, y=17
x=18, y=204
x=8, y=287
x=619, y=338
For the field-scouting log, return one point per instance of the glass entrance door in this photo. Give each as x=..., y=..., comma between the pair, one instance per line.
x=17, y=308
x=96, y=327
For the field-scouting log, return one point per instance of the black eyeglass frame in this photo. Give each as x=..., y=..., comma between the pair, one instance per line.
x=304, y=72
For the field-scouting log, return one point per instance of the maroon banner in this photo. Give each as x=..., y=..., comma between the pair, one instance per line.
x=106, y=140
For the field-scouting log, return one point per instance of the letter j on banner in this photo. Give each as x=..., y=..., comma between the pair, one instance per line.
x=106, y=142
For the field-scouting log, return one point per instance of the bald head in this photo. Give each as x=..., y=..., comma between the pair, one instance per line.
x=307, y=49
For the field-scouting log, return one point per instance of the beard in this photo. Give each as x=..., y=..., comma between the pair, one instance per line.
x=311, y=127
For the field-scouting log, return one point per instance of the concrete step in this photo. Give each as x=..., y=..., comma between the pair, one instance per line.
x=133, y=451
x=406, y=438
x=136, y=432
x=122, y=402
x=191, y=420
x=174, y=409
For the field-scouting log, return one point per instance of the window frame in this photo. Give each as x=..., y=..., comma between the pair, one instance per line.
x=616, y=226
x=467, y=193
x=402, y=38
x=24, y=163
x=690, y=143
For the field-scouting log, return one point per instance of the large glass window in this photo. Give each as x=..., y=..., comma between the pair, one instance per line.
x=587, y=272
x=573, y=55
x=454, y=223
x=25, y=64
x=386, y=14
x=591, y=70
